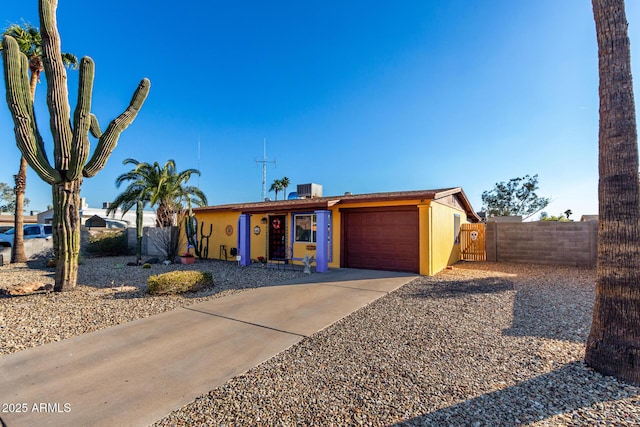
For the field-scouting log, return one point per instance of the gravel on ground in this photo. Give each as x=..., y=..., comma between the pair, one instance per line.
x=483, y=344
x=108, y=293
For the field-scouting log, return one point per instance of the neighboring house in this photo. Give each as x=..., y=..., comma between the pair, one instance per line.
x=7, y=221
x=589, y=218
x=413, y=231
x=115, y=220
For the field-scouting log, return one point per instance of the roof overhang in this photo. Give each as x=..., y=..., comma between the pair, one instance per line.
x=324, y=203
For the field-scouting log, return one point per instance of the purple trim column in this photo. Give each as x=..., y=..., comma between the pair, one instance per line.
x=322, y=241
x=244, y=239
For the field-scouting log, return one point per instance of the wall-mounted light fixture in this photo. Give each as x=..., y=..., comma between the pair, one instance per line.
x=263, y=220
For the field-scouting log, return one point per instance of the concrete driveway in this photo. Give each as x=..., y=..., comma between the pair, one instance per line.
x=136, y=373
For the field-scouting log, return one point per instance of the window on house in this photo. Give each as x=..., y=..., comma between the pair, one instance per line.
x=456, y=229
x=305, y=228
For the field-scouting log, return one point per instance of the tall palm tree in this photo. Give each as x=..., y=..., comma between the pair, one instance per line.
x=276, y=186
x=613, y=346
x=160, y=186
x=30, y=43
x=163, y=187
x=285, y=184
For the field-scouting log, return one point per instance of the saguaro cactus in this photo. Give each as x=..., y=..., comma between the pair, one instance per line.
x=70, y=135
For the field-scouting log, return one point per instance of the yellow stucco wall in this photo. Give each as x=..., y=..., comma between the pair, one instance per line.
x=220, y=221
x=443, y=250
x=424, y=231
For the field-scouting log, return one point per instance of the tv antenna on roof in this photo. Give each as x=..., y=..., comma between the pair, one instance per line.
x=198, y=161
x=264, y=162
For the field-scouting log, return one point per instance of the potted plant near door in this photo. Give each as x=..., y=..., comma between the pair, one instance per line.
x=187, y=258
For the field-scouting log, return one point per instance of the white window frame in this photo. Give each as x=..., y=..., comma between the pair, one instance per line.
x=312, y=230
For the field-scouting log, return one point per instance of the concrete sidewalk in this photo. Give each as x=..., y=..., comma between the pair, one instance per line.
x=136, y=373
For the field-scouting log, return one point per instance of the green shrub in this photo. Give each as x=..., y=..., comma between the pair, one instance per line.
x=108, y=243
x=146, y=265
x=177, y=282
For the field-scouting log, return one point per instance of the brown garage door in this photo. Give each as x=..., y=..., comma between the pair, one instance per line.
x=381, y=239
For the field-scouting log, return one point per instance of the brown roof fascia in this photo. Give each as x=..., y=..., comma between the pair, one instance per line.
x=273, y=206
x=290, y=205
x=328, y=202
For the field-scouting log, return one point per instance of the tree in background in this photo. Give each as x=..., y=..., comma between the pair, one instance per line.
x=8, y=198
x=162, y=187
x=613, y=346
x=286, y=182
x=544, y=216
x=71, y=146
x=30, y=43
x=277, y=186
x=515, y=197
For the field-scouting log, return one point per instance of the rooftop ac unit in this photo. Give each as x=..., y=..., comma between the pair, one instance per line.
x=307, y=191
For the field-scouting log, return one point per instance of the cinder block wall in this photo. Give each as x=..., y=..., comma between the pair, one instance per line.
x=544, y=242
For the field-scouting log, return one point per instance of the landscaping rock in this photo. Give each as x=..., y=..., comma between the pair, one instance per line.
x=27, y=288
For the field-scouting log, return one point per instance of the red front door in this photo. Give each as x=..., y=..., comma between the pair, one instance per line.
x=277, y=237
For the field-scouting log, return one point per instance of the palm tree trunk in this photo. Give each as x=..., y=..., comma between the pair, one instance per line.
x=66, y=233
x=17, y=250
x=613, y=346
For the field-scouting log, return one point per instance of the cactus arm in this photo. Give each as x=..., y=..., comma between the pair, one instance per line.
x=109, y=139
x=57, y=92
x=28, y=137
x=204, y=241
x=95, y=127
x=82, y=120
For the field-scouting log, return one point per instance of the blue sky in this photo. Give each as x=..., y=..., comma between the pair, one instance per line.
x=357, y=96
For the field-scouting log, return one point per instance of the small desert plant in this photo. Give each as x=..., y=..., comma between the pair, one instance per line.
x=146, y=265
x=177, y=282
x=108, y=243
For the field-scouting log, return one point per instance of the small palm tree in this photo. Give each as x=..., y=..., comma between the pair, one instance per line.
x=30, y=43
x=277, y=186
x=285, y=184
x=163, y=187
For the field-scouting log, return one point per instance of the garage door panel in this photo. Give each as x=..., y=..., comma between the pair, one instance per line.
x=384, y=240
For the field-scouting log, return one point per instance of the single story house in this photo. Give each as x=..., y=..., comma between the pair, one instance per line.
x=412, y=231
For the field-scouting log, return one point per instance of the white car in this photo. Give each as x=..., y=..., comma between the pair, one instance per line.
x=31, y=231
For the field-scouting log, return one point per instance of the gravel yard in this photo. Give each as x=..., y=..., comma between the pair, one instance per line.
x=482, y=344
x=108, y=293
